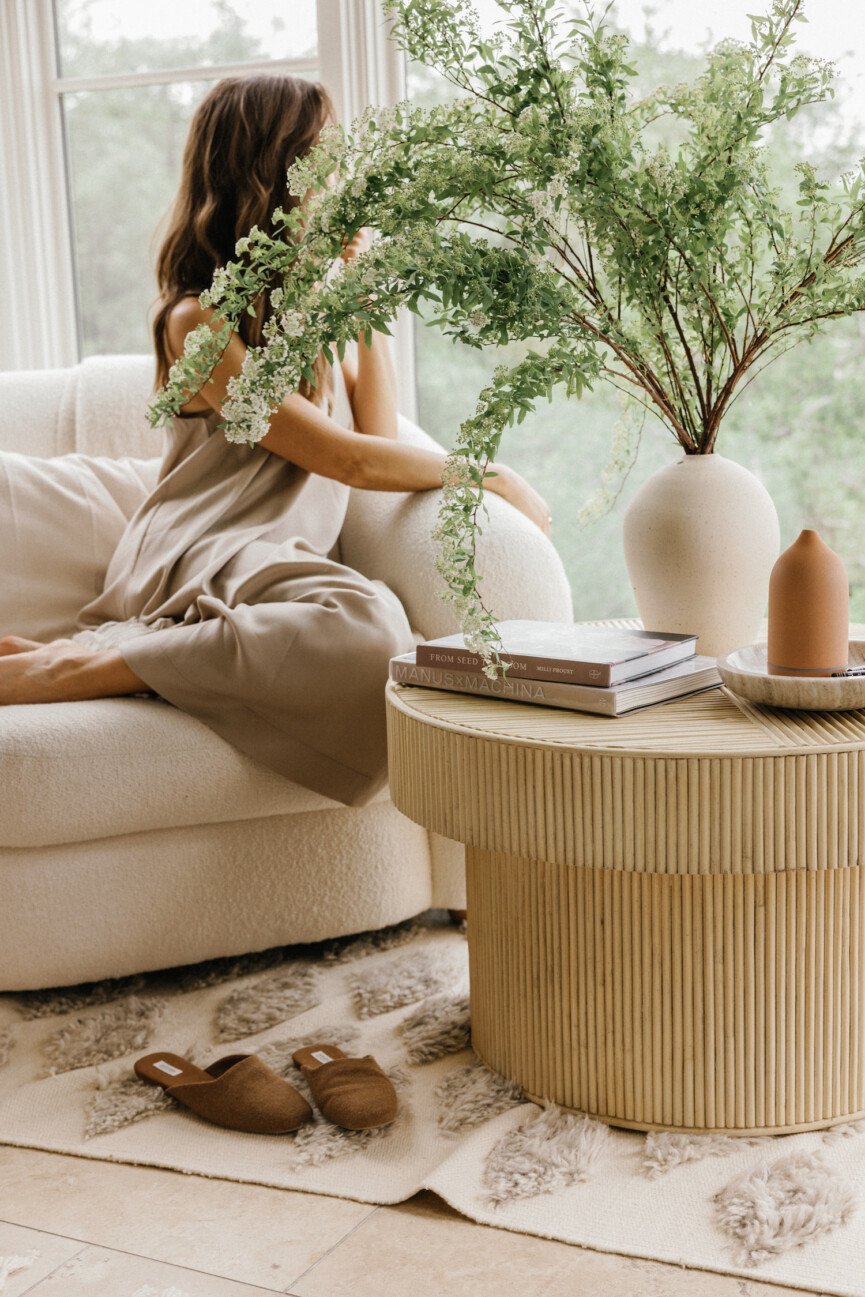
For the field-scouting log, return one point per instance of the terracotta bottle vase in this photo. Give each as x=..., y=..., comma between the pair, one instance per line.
x=809, y=598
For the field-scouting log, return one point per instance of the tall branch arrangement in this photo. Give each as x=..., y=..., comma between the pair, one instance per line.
x=538, y=206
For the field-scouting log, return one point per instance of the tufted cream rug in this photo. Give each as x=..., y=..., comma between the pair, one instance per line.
x=786, y=1209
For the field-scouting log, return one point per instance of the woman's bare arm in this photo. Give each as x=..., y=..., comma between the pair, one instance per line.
x=371, y=382
x=301, y=432
x=305, y=435
x=62, y=671
x=370, y=376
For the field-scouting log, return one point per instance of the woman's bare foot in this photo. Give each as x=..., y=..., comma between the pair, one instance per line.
x=62, y=671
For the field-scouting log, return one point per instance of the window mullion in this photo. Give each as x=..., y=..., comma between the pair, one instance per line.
x=34, y=209
x=361, y=65
x=169, y=76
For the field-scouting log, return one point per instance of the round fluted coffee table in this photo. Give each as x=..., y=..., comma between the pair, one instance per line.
x=665, y=910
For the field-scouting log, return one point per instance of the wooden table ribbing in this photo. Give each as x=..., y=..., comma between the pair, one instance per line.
x=759, y=1039
x=665, y=910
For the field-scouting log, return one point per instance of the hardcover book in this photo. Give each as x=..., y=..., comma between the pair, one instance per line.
x=566, y=652
x=691, y=676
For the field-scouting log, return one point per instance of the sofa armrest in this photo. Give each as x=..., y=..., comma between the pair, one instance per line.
x=387, y=536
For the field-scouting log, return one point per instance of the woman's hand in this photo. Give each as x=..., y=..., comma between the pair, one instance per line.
x=512, y=487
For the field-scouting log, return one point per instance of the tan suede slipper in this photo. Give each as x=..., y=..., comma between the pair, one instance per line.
x=239, y=1092
x=351, y=1092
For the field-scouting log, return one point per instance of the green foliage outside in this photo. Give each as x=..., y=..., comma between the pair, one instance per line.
x=125, y=148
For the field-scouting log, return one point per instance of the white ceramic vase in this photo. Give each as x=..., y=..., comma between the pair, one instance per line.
x=701, y=538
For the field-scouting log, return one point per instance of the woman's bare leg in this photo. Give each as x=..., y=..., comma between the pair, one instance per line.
x=15, y=644
x=62, y=671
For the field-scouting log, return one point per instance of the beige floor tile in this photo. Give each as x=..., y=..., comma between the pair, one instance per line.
x=241, y=1231
x=48, y=1252
x=423, y=1247
x=99, y=1272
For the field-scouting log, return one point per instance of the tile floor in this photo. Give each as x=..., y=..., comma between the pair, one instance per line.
x=103, y=1230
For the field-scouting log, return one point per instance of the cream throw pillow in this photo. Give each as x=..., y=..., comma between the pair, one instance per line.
x=60, y=521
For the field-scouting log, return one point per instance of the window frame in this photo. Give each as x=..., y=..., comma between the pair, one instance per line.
x=356, y=60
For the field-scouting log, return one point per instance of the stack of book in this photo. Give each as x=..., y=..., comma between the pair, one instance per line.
x=587, y=668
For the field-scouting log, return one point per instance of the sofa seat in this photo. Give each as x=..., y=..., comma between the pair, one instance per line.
x=75, y=772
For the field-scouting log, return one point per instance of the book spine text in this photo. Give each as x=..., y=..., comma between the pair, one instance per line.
x=552, y=670
x=572, y=697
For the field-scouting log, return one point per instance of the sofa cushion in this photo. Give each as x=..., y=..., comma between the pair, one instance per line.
x=60, y=521
x=72, y=772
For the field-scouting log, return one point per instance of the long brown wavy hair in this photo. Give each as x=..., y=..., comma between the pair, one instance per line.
x=244, y=135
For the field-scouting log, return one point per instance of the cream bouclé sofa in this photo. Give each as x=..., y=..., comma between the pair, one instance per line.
x=132, y=837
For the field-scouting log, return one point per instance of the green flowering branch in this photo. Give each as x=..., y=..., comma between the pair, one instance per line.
x=509, y=397
x=538, y=207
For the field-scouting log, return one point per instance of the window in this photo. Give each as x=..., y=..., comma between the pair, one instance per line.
x=97, y=96
x=798, y=427
x=130, y=78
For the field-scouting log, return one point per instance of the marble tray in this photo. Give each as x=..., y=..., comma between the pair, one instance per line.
x=745, y=673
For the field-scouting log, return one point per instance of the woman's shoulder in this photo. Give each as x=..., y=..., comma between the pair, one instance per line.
x=183, y=316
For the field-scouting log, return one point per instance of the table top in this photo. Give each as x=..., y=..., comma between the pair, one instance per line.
x=708, y=784
x=711, y=723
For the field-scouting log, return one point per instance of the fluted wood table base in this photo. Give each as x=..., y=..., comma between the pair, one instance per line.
x=690, y=1002
x=665, y=910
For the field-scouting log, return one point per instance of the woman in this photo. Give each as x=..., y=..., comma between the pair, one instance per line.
x=223, y=595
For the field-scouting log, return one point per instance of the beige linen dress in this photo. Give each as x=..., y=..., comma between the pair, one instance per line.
x=224, y=596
